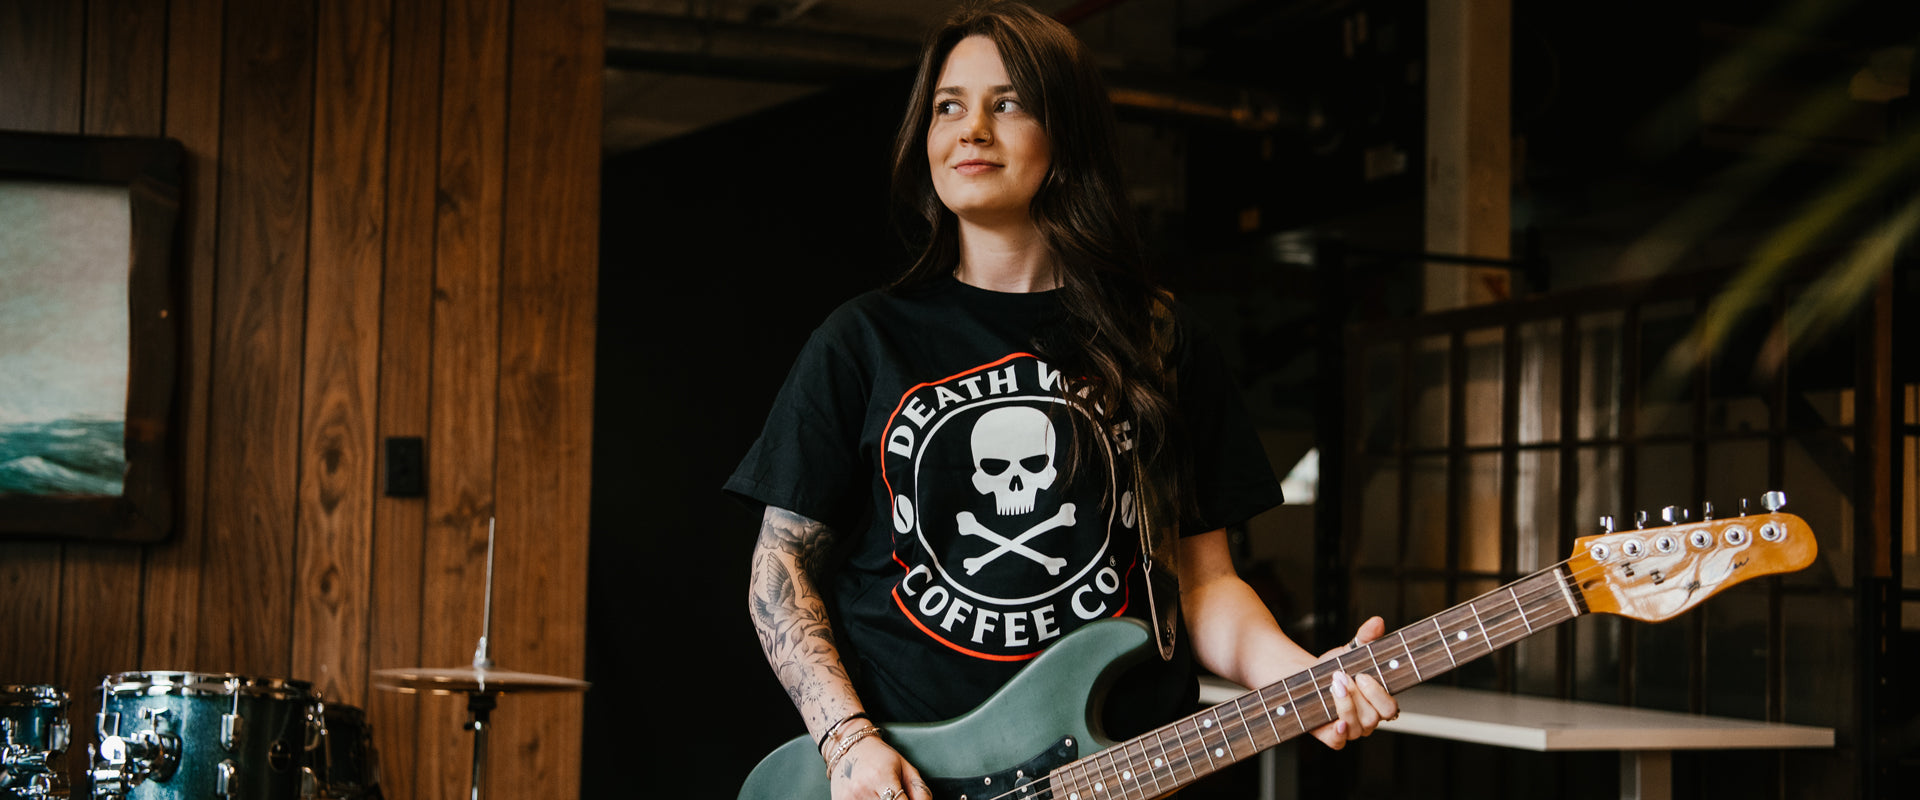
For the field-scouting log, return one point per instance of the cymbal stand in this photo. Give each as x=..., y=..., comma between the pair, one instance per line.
x=480, y=703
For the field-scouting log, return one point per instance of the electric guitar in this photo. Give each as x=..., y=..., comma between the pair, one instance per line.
x=1038, y=738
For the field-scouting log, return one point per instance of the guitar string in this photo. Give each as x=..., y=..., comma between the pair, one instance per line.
x=1533, y=594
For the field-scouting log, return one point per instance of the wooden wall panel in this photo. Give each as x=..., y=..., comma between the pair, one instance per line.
x=465, y=388
x=125, y=66
x=245, y=608
x=546, y=381
x=405, y=365
x=389, y=229
x=42, y=51
x=330, y=620
x=194, y=55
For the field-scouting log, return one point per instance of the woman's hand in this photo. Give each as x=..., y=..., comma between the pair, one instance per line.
x=1360, y=703
x=873, y=770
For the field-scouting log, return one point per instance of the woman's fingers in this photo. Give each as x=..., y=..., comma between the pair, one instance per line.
x=1378, y=699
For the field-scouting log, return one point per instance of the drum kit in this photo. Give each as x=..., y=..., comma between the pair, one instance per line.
x=220, y=736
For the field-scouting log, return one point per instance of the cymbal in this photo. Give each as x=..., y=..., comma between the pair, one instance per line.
x=471, y=680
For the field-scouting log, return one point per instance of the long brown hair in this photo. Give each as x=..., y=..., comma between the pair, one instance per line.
x=1109, y=332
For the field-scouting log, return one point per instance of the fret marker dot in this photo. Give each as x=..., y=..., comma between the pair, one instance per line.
x=1393, y=664
x=1462, y=636
x=1219, y=753
x=1280, y=712
x=1159, y=762
x=1206, y=723
x=1099, y=787
x=1126, y=776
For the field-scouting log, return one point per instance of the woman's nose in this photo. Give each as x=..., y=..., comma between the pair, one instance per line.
x=979, y=128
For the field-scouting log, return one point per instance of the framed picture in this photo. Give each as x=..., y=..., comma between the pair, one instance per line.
x=89, y=335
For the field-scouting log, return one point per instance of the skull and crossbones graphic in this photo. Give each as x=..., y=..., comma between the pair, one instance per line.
x=1013, y=460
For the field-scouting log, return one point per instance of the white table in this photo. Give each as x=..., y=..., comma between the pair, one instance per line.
x=1644, y=738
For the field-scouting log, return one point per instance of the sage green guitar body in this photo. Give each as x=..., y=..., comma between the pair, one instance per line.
x=1054, y=699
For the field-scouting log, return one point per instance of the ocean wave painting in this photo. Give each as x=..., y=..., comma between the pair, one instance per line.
x=63, y=457
x=64, y=338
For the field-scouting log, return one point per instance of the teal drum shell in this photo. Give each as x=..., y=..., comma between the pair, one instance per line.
x=34, y=733
x=275, y=728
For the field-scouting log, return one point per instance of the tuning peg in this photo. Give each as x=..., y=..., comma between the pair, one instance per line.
x=1774, y=501
x=1639, y=519
x=1670, y=514
x=1743, y=506
x=1606, y=523
x=1706, y=511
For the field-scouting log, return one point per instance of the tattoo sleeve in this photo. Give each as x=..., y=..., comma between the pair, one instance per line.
x=790, y=617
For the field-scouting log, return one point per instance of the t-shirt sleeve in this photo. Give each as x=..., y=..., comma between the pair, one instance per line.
x=1232, y=479
x=807, y=458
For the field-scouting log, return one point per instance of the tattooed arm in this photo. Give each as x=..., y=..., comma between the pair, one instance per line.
x=790, y=617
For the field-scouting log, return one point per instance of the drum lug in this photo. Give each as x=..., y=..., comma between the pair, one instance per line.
x=309, y=784
x=224, y=784
x=232, y=731
x=106, y=723
x=59, y=736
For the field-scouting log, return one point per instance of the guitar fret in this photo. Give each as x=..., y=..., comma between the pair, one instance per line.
x=1523, y=611
x=1411, y=661
x=1442, y=634
x=1201, y=733
x=1160, y=763
x=1293, y=705
x=1250, y=739
x=1320, y=694
x=1381, y=674
x=1482, y=622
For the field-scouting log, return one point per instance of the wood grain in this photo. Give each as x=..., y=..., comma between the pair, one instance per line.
x=41, y=56
x=546, y=381
x=466, y=366
x=405, y=363
x=341, y=361
x=126, y=59
x=173, y=568
x=266, y=119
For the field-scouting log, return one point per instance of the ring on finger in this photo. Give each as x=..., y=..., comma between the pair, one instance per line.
x=889, y=793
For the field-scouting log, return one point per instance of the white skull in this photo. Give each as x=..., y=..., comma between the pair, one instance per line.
x=1013, y=457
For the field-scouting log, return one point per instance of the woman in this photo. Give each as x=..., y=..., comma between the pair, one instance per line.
x=957, y=469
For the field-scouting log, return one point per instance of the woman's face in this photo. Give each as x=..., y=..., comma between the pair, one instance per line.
x=987, y=154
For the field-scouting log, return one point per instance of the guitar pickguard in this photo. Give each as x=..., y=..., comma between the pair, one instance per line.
x=1016, y=783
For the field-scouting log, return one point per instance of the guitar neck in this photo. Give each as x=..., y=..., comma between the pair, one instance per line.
x=1192, y=748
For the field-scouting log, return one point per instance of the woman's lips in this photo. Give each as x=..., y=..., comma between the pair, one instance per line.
x=974, y=167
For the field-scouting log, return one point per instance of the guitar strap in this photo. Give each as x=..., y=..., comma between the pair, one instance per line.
x=1159, y=520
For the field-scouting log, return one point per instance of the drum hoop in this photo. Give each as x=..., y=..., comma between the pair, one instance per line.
x=36, y=694
x=203, y=684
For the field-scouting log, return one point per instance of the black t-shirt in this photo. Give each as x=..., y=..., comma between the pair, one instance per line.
x=922, y=427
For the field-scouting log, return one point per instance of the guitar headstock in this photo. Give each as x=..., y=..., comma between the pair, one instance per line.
x=1652, y=574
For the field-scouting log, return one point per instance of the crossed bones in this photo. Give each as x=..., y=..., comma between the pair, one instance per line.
x=969, y=526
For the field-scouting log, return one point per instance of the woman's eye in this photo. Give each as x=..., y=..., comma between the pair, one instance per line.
x=945, y=107
x=1007, y=105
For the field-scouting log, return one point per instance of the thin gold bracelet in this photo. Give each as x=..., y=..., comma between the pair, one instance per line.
x=847, y=744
